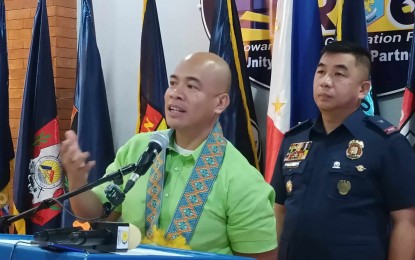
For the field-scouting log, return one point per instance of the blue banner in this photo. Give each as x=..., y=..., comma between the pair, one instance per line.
x=238, y=121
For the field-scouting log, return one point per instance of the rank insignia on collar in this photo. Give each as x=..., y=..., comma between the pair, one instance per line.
x=355, y=149
x=289, y=186
x=297, y=151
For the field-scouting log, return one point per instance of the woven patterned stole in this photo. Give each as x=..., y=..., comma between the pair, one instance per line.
x=195, y=194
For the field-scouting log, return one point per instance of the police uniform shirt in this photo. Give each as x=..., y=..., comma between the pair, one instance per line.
x=339, y=188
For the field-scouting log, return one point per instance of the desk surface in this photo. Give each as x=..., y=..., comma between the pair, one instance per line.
x=20, y=247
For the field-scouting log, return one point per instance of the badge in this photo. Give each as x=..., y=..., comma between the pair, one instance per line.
x=336, y=165
x=3, y=199
x=289, y=186
x=355, y=149
x=344, y=187
x=297, y=151
x=360, y=168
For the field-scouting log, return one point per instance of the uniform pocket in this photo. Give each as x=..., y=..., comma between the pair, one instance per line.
x=346, y=184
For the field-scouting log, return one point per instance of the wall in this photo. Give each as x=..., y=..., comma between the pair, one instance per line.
x=62, y=28
x=118, y=28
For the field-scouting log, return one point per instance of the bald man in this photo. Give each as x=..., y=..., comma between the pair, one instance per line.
x=205, y=195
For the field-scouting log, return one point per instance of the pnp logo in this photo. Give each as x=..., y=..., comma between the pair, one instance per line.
x=381, y=15
x=255, y=20
x=374, y=10
x=329, y=10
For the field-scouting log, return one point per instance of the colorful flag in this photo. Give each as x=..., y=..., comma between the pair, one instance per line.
x=238, y=121
x=296, y=53
x=153, y=76
x=351, y=26
x=407, y=122
x=6, y=144
x=38, y=171
x=90, y=115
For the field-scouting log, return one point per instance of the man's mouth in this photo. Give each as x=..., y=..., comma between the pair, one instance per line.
x=173, y=108
x=324, y=95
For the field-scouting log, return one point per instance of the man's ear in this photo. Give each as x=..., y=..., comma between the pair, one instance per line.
x=223, y=103
x=364, y=89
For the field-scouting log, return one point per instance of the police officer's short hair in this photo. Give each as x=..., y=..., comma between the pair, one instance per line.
x=361, y=54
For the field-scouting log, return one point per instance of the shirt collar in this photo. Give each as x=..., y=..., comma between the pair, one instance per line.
x=195, y=154
x=352, y=123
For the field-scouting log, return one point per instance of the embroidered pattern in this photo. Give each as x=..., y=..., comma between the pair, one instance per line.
x=195, y=194
x=154, y=193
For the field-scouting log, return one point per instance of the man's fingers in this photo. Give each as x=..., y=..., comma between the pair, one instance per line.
x=70, y=151
x=71, y=135
x=69, y=146
x=90, y=165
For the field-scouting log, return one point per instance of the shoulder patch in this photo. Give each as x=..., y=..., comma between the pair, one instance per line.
x=385, y=126
x=300, y=126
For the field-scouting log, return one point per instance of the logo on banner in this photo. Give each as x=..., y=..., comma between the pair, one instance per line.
x=374, y=10
x=255, y=28
x=45, y=176
x=389, y=26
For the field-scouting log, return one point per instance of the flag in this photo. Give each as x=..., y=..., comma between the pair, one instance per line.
x=6, y=144
x=238, y=121
x=90, y=115
x=296, y=53
x=153, y=76
x=38, y=171
x=407, y=121
x=351, y=26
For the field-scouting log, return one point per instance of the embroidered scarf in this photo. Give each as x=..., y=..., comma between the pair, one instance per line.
x=195, y=194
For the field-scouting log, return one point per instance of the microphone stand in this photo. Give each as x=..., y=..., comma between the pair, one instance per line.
x=116, y=176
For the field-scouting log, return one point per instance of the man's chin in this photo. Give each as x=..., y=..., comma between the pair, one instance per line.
x=324, y=106
x=173, y=123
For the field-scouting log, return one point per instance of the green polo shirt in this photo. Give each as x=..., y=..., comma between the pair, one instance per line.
x=238, y=215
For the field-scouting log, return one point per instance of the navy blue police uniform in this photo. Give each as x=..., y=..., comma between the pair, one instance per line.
x=339, y=188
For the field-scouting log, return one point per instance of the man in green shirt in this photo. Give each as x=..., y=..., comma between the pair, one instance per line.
x=201, y=190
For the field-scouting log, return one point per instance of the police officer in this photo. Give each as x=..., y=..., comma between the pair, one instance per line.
x=351, y=195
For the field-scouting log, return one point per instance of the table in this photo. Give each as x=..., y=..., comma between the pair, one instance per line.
x=24, y=247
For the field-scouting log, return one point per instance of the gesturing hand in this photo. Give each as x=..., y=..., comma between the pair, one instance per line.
x=75, y=161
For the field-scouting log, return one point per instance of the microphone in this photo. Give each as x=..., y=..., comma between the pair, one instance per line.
x=157, y=143
x=90, y=237
x=57, y=234
x=106, y=237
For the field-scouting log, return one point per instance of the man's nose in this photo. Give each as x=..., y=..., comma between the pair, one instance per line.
x=327, y=81
x=176, y=92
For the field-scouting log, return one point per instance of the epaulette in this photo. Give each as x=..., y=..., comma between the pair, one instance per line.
x=385, y=126
x=300, y=126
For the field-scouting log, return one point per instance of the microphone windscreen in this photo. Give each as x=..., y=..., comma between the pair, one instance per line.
x=161, y=139
x=134, y=237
